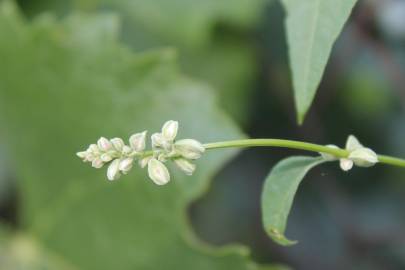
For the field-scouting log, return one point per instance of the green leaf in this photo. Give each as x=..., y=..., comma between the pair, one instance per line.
x=312, y=28
x=19, y=251
x=65, y=84
x=189, y=23
x=279, y=191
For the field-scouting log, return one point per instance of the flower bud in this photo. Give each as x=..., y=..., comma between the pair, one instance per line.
x=353, y=143
x=97, y=163
x=169, y=130
x=104, y=144
x=93, y=148
x=137, y=141
x=364, y=157
x=186, y=166
x=158, y=172
x=126, y=165
x=157, y=140
x=118, y=144
x=89, y=156
x=346, y=164
x=106, y=157
x=126, y=150
x=82, y=155
x=189, y=148
x=113, y=171
x=144, y=161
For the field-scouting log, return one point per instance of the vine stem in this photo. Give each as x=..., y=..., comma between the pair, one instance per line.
x=339, y=153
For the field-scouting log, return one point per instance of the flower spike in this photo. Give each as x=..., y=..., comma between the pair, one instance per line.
x=121, y=157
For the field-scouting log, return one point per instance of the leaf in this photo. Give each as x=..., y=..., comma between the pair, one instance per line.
x=312, y=28
x=279, y=191
x=19, y=251
x=65, y=84
x=189, y=23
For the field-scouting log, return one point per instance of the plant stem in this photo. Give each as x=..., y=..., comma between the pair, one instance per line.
x=339, y=153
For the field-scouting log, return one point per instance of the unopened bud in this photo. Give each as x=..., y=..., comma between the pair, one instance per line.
x=138, y=141
x=346, y=164
x=113, y=171
x=364, y=157
x=169, y=130
x=118, y=144
x=106, y=157
x=126, y=165
x=189, y=148
x=144, y=161
x=186, y=166
x=97, y=163
x=158, y=172
x=104, y=144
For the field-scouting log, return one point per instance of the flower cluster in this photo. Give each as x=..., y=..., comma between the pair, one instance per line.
x=359, y=155
x=121, y=157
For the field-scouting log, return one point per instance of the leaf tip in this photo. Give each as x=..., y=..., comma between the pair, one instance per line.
x=300, y=118
x=280, y=238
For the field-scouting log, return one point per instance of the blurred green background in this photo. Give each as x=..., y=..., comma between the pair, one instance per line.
x=71, y=71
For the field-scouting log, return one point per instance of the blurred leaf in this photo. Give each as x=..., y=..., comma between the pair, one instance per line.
x=279, y=191
x=20, y=252
x=185, y=22
x=64, y=85
x=312, y=28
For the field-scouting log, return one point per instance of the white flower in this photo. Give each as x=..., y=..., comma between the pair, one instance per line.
x=126, y=165
x=138, y=141
x=169, y=130
x=358, y=155
x=158, y=172
x=121, y=157
x=189, y=148
x=113, y=172
x=186, y=166
x=346, y=164
x=364, y=157
x=353, y=143
x=104, y=144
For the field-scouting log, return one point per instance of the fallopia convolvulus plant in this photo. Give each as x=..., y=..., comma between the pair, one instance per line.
x=279, y=188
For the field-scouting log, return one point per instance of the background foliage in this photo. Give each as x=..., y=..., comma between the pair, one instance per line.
x=97, y=67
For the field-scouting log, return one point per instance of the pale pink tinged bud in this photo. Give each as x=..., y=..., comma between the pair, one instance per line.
x=158, y=172
x=169, y=130
x=106, y=157
x=104, y=144
x=138, y=141
x=118, y=144
x=97, y=163
x=113, y=171
x=186, y=166
x=346, y=164
x=189, y=148
x=126, y=165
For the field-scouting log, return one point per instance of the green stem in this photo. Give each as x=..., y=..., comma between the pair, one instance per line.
x=340, y=153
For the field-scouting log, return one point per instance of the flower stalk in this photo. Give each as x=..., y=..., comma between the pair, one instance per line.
x=337, y=152
x=121, y=157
